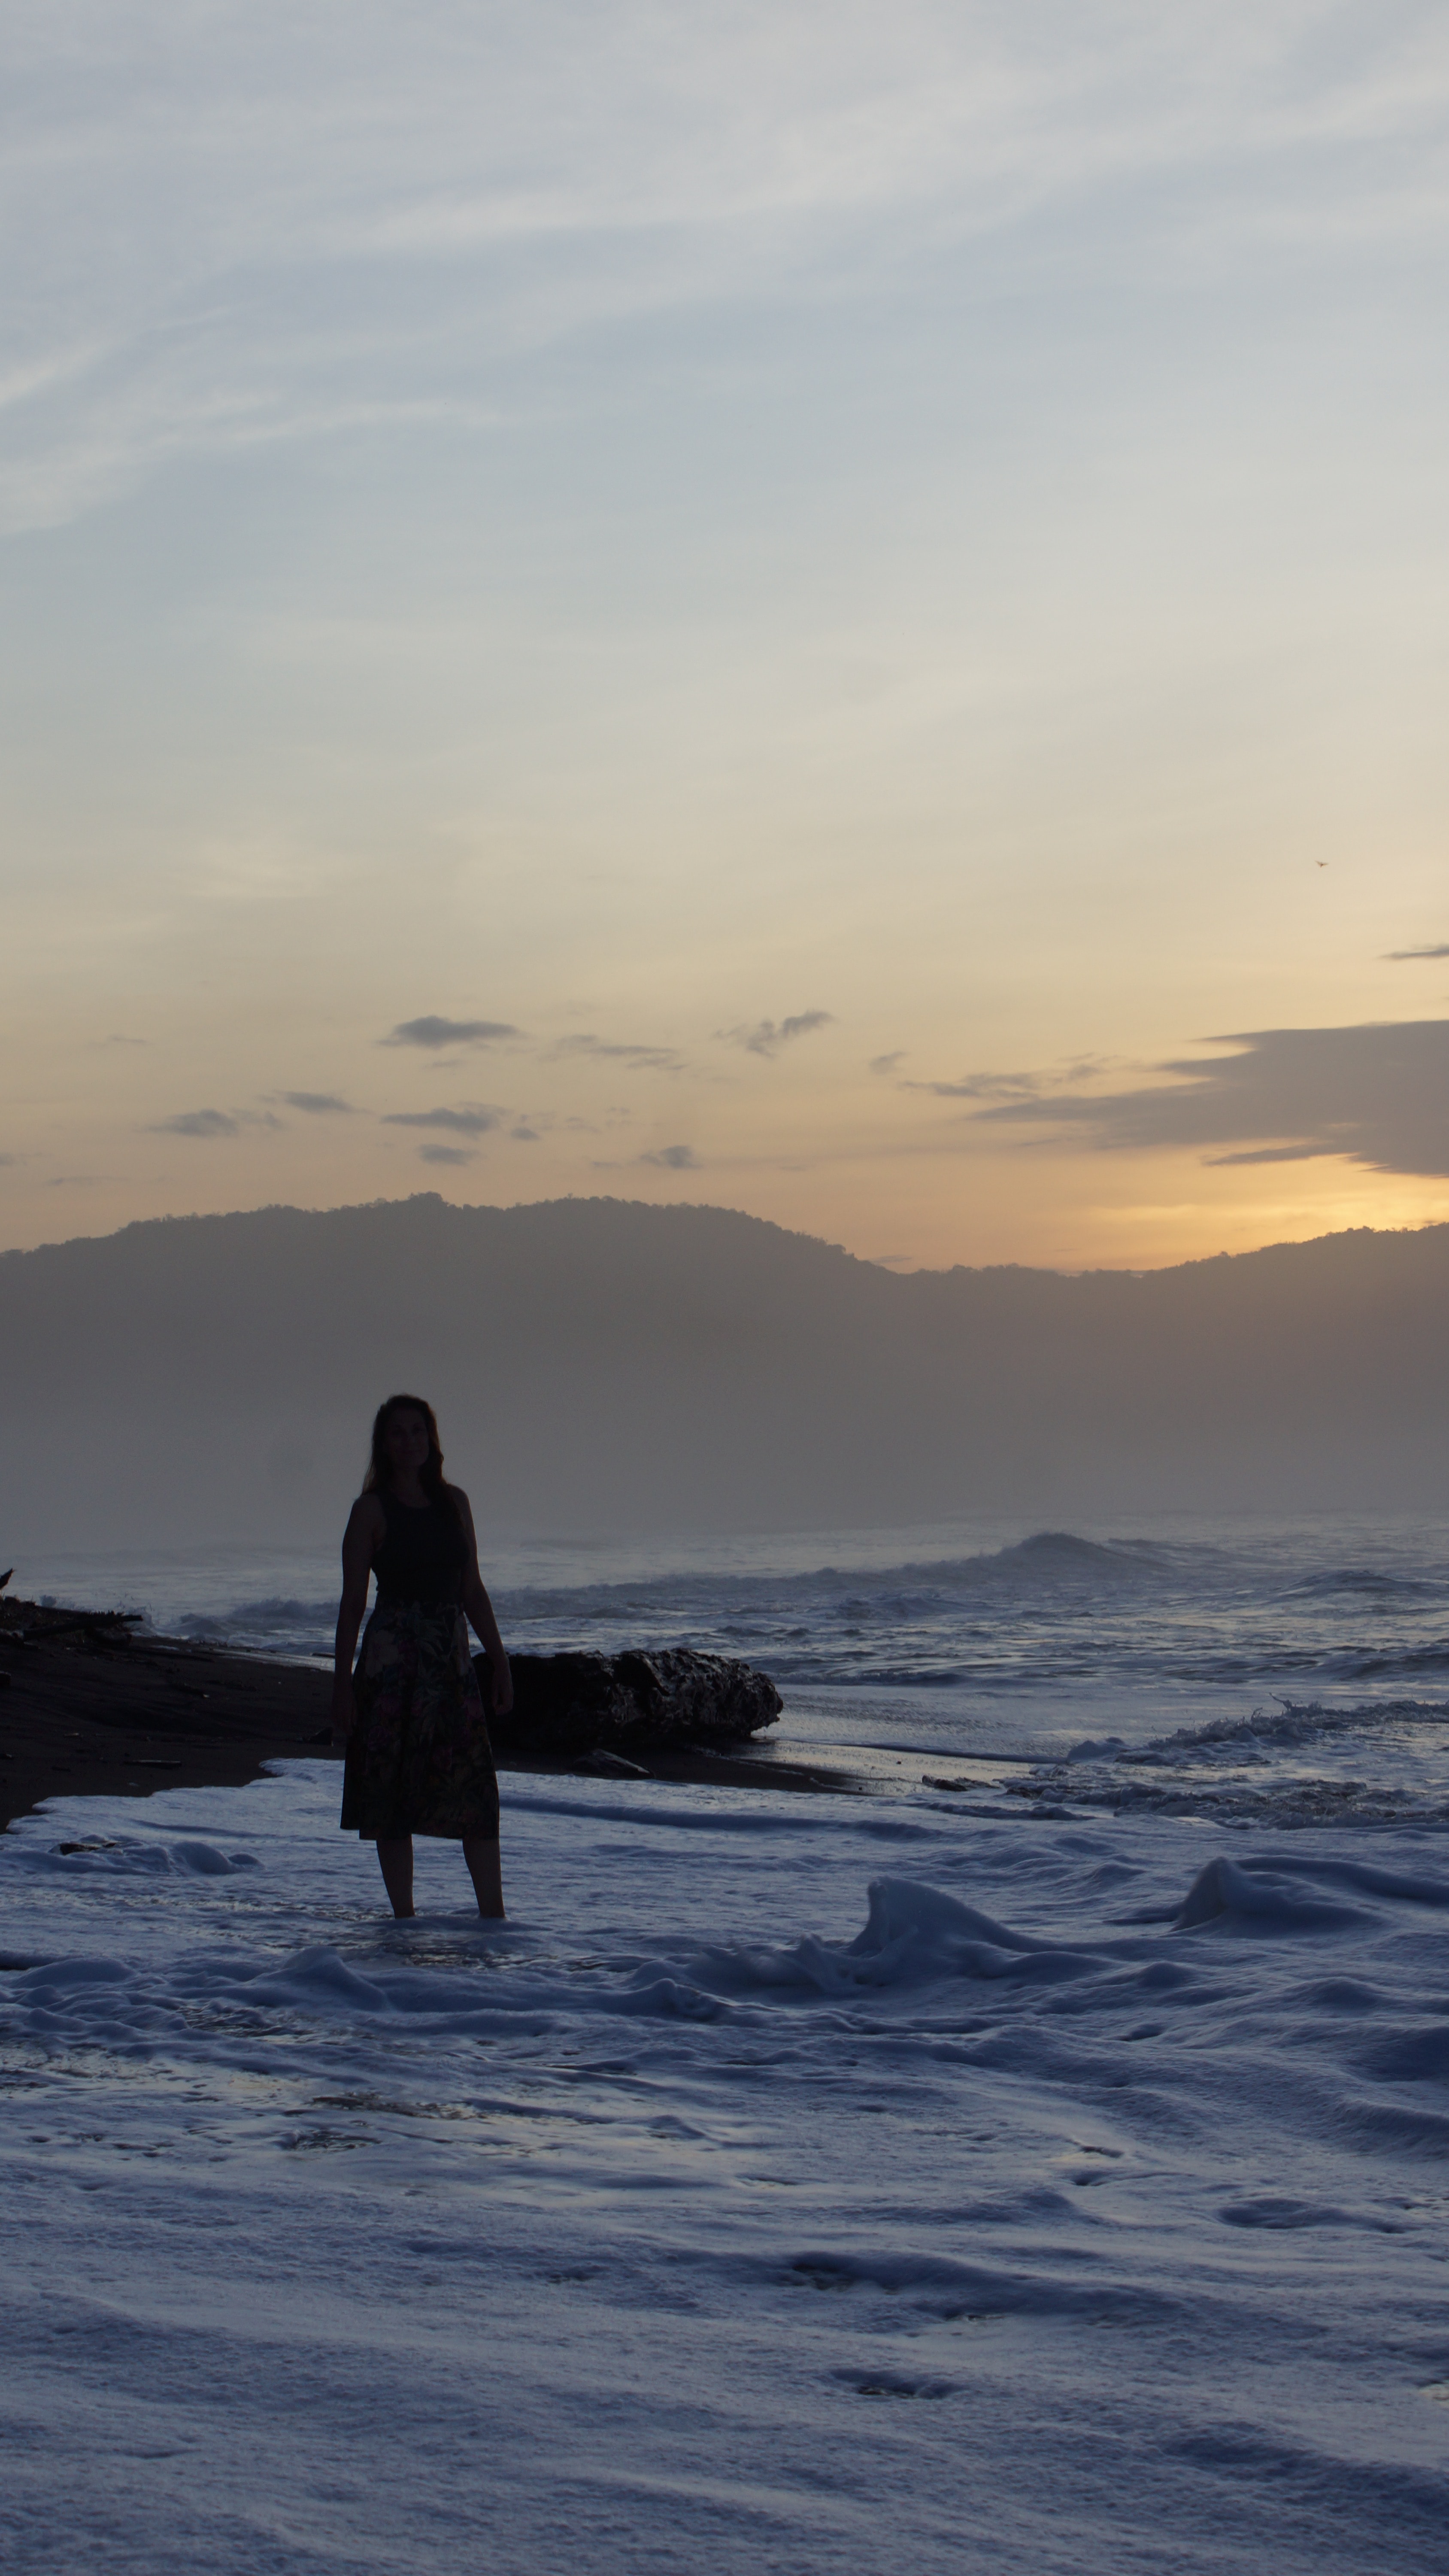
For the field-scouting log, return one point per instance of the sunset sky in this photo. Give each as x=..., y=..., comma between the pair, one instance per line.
x=839, y=611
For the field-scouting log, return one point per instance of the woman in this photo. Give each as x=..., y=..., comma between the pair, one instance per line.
x=418, y=1756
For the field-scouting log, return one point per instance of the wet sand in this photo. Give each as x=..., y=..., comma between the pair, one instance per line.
x=89, y=1709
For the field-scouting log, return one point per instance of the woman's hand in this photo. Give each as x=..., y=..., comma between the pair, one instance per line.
x=344, y=1708
x=366, y=1525
x=479, y=1609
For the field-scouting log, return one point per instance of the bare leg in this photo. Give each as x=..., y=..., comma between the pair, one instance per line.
x=396, y=1861
x=485, y=1867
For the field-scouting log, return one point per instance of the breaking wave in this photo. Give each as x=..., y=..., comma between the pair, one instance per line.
x=1144, y=1652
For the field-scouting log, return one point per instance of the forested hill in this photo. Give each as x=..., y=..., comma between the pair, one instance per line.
x=598, y=1364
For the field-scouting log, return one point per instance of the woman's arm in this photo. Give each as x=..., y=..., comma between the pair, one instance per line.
x=358, y=1545
x=480, y=1611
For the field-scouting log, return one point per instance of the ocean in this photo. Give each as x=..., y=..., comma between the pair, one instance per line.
x=1284, y=1672
x=1039, y=2176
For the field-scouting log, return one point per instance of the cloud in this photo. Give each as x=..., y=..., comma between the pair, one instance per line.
x=887, y=1063
x=446, y=1154
x=524, y=1135
x=768, y=1036
x=639, y=1059
x=673, y=1158
x=1403, y=956
x=197, y=1122
x=983, y=1086
x=473, y=1119
x=7, y=1159
x=1268, y=1154
x=319, y=1104
x=434, y=1033
x=1016, y=1086
x=1377, y=1094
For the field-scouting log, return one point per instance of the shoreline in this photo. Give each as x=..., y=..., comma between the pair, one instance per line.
x=89, y=1710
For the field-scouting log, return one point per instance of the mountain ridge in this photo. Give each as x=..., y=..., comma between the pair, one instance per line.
x=605, y=1363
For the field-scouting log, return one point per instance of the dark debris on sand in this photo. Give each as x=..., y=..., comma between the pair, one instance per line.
x=88, y=1708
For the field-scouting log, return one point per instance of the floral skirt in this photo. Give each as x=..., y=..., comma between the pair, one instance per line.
x=418, y=1759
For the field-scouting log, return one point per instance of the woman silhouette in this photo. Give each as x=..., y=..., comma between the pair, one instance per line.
x=418, y=1756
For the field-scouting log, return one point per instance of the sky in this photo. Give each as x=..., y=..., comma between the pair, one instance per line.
x=838, y=612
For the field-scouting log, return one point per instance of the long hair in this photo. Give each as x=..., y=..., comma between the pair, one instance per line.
x=378, y=1478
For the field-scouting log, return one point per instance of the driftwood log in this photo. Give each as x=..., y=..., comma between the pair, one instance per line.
x=565, y=1706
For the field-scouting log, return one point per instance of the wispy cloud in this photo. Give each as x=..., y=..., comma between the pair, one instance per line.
x=473, y=1119
x=1377, y=1094
x=318, y=1104
x=504, y=181
x=446, y=1154
x=435, y=1034
x=768, y=1036
x=637, y=1058
x=1271, y=1154
x=1032, y=1085
x=1405, y=956
x=886, y=1064
x=983, y=1086
x=673, y=1158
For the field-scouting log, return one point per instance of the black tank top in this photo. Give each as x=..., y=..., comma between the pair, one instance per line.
x=422, y=1555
